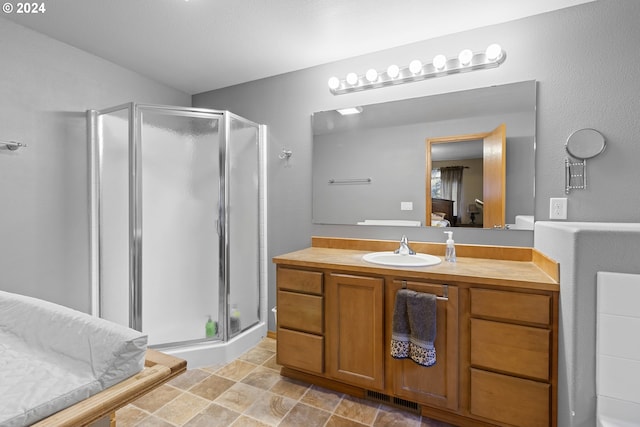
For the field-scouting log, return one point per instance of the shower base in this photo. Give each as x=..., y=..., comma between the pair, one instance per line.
x=219, y=352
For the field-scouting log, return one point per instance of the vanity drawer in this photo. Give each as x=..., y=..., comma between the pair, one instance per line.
x=510, y=400
x=300, y=280
x=520, y=350
x=514, y=306
x=300, y=311
x=300, y=350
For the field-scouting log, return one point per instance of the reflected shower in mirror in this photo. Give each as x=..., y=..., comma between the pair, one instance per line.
x=373, y=167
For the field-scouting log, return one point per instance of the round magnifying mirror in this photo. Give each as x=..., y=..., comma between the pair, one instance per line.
x=585, y=143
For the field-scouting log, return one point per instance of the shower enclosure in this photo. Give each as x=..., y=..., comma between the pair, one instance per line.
x=177, y=220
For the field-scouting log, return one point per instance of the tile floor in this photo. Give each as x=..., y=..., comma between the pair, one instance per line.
x=249, y=392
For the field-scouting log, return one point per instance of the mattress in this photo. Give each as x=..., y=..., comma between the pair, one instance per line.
x=52, y=357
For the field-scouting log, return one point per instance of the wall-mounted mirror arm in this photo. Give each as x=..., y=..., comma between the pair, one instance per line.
x=581, y=145
x=575, y=175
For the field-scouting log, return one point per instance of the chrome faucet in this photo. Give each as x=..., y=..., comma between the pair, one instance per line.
x=404, y=248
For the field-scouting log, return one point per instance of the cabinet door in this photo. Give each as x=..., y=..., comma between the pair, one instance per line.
x=355, y=330
x=436, y=385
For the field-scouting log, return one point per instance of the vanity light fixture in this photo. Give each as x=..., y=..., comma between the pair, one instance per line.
x=352, y=79
x=466, y=60
x=465, y=57
x=494, y=52
x=393, y=72
x=415, y=66
x=439, y=62
x=334, y=83
x=371, y=75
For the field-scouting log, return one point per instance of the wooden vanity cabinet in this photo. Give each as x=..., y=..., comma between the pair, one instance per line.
x=355, y=330
x=511, y=364
x=496, y=342
x=435, y=385
x=300, y=297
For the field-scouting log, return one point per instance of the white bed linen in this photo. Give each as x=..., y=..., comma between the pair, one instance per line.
x=52, y=357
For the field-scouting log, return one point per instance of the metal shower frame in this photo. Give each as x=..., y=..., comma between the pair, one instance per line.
x=135, y=210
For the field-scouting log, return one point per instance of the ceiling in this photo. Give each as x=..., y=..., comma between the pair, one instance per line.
x=201, y=45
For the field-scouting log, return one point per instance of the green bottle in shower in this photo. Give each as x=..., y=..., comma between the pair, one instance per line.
x=234, y=319
x=211, y=328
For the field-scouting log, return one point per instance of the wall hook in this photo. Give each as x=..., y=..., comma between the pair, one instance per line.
x=285, y=154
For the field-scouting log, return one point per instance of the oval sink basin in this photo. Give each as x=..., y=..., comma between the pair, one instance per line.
x=397, y=260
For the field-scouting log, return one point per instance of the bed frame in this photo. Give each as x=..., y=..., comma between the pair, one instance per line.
x=159, y=368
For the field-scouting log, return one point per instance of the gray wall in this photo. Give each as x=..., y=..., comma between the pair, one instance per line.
x=45, y=89
x=585, y=59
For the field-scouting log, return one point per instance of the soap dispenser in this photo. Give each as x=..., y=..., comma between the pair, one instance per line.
x=450, y=252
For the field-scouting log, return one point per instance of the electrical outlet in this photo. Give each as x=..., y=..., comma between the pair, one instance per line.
x=558, y=208
x=406, y=206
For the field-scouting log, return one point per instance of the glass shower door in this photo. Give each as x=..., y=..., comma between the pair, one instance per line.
x=110, y=213
x=176, y=223
x=243, y=216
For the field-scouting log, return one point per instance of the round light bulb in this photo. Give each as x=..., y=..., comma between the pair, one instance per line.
x=334, y=83
x=352, y=78
x=439, y=62
x=465, y=57
x=393, y=71
x=494, y=52
x=371, y=75
x=415, y=66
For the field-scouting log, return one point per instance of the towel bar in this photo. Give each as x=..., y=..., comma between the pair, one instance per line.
x=350, y=181
x=445, y=291
x=12, y=145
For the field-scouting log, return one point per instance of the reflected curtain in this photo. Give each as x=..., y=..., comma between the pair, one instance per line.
x=451, y=178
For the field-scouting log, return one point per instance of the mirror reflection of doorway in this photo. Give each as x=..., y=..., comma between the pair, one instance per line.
x=490, y=147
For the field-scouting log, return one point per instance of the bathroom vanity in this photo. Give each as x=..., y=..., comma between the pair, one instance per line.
x=497, y=329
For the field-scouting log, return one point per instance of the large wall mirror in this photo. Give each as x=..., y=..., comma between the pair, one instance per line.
x=460, y=159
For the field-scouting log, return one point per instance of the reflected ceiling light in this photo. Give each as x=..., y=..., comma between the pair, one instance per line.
x=350, y=110
x=467, y=60
x=393, y=71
